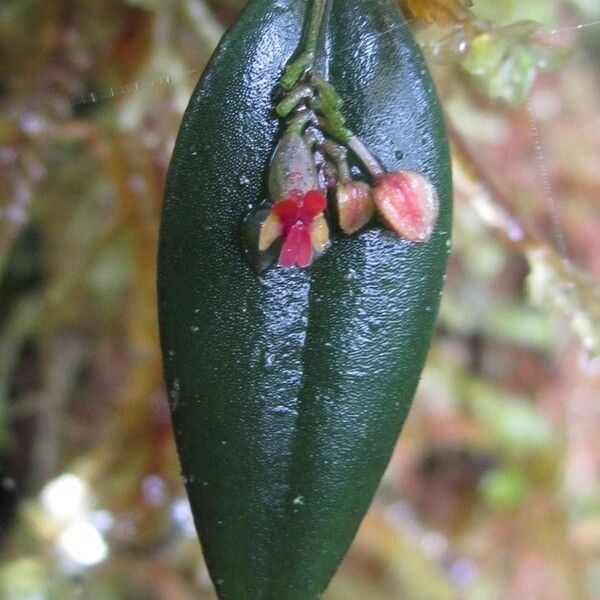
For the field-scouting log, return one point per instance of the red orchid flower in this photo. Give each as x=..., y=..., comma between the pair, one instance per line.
x=299, y=220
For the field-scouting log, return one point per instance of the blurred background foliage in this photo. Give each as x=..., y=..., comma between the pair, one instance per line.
x=493, y=492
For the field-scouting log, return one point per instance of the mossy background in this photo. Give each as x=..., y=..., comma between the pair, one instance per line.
x=493, y=491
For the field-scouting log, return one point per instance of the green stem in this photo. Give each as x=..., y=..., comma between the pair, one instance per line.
x=327, y=93
x=305, y=61
x=291, y=101
x=327, y=102
x=298, y=123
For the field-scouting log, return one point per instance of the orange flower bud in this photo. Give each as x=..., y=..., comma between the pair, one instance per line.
x=355, y=205
x=408, y=203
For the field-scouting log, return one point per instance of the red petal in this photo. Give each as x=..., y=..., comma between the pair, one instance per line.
x=287, y=211
x=314, y=204
x=297, y=248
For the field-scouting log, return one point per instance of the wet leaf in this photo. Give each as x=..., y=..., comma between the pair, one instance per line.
x=289, y=389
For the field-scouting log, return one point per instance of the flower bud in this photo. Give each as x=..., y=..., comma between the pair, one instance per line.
x=408, y=203
x=355, y=205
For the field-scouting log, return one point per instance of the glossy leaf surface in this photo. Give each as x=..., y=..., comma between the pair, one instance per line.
x=288, y=390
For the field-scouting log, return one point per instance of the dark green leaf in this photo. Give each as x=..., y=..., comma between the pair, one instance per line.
x=289, y=390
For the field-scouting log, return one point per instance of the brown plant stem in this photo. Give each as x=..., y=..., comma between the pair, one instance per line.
x=489, y=196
